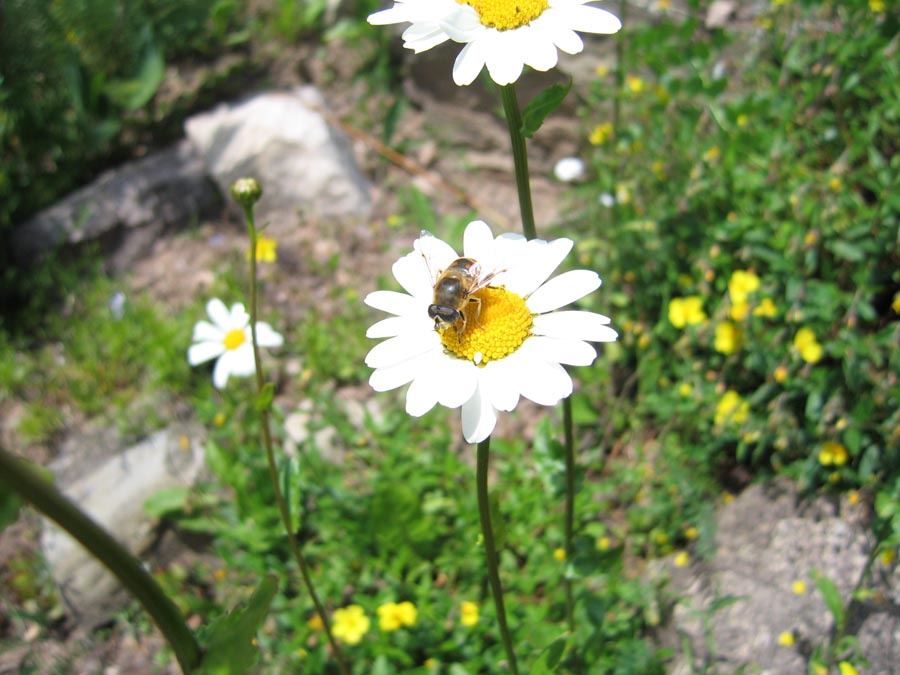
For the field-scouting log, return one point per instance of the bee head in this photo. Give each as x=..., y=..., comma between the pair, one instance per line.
x=444, y=316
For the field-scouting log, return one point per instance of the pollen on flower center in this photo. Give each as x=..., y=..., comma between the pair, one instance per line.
x=507, y=14
x=493, y=331
x=234, y=339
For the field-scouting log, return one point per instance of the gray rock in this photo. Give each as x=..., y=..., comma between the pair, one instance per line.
x=113, y=492
x=126, y=209
x=766, y=539
x=283, y=140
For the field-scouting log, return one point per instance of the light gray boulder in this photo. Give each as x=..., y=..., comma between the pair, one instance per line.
x=126, y=209
x=284, y=141
x=112, y=489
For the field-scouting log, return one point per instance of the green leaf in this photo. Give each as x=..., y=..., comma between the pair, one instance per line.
x=164, y=502
x=9, y=508
x=265, y=397
x=847, y=251
x=832, y=597
x=228, y=642
x=543, y=104
x=548, y=660
x=135, y=92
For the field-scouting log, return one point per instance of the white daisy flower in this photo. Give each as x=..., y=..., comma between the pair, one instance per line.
x=506, y=340
x=228, y=339
x=569, y=170
x=504, y=35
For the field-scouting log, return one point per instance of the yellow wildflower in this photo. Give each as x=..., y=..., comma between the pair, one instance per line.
x=835, y=184
x=853, y=497
x=731, y=409
x=832, y=454
x=819, y=669
x=876, y=6
x=468, y=613
x=686, y=311
x=685, y=389
x=601, y=134
x=712, y=154
x=895, y=305
x=430, y=662
x=888, y=556
x=741, y=120
x=786, y=639
x=691, y=533
x=315, y=622
x=847, y=668
x=741, y=284
x=395, y=615
x=634, y=84
x=766, y=308
x=266, y=248
x=805, y=343
x=604, y=544
x=799, y=587
x=739, y=311
x=682, y=559
x=727, y=498
x=780, y=374
x=350, y=624
x=219, y=419
x=729, y=338
x=559, y=555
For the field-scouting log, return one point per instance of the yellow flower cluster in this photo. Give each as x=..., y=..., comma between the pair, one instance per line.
x=468, y=613
x=395, y=615
x=350, y=624
x=805, y=342
x=833, y=454
x=729, y=338
x=601, y=134
x=686, y=311
x=731, y=409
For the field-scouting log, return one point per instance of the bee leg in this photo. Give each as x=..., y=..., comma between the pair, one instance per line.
x=477, y=302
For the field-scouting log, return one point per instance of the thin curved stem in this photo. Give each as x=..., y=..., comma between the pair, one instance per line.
x=49, y=500
x=490, y=549
x=523, y=185
x=569, y=438
x=270, y=453
x=520, y=158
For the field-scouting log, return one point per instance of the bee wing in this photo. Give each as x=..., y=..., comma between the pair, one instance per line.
x=483, y=281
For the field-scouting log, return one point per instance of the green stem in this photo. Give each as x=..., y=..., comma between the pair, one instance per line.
x=520, y=158
x=47, y=498
x=270, y=453
x=569, y=438
x=490, y=549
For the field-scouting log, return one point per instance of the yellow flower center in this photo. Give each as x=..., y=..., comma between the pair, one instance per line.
x=493, y=331
x=234, y=339
x=507, y=14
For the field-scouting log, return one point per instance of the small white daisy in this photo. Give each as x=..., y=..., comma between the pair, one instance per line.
x=228, y=339
x=504, y=35
x=506, y=343
x=569, y=169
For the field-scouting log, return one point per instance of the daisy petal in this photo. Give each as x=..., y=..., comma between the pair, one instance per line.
x=575, y=324
x=385, y=379
x=422, y=395
x=238, y=317
x=468, y=64
x=393, y=302
x=593, y=20
x=204, y=330
x=547, y=383
x=412, y=273
x=217, y=311
x=458, y=380
x=397, y=325
x=478, y=418
x=539, y=260
x=266, y=336
x=563, y=290
x=478, y=242
x=204, y=351
x=499, y=383
x=400, y=348
x=569, y=351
